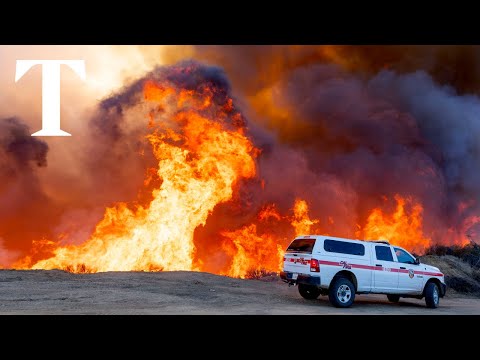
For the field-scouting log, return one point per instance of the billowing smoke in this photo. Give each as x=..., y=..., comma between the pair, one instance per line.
x=24, y=207
x=351, y=126
x=451, y=125
x=346, y=128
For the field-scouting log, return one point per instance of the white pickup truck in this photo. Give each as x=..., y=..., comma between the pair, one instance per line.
x=341, y=268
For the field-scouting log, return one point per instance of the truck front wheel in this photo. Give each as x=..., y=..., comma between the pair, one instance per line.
x=309, y=292
x=341, y=293
x=432, y=295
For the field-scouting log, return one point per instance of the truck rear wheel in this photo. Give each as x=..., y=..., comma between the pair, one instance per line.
x=341, y=293
x=393, y=298
x=432, y=295
x=308, y=292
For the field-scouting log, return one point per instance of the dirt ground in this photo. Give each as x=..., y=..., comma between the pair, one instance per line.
x=57, y=292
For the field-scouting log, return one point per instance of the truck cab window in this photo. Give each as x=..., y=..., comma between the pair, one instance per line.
x=404, y=257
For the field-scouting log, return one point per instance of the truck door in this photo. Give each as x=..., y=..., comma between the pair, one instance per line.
x=409, y=280
x=384, y=279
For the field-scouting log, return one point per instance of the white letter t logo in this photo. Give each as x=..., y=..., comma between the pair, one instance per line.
x=50, y=90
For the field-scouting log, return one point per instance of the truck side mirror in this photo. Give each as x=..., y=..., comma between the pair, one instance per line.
x=417, y=261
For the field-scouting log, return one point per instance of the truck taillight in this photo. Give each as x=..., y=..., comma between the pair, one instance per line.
x=314, y=265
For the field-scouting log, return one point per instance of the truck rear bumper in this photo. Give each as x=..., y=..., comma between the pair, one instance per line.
x=287, y=276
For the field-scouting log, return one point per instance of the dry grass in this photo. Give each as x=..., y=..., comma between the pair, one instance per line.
x=459, y=274
x=469, y=253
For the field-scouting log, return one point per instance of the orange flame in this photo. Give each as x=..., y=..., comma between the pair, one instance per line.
x=468, y=224
x=251, y=251
x=403, y=227
x=199, y=163
x=301, y=222
x=269, y=212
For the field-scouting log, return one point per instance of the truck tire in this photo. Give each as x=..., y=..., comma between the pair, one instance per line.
x=341, y=293
x=432, y=295
x=393, y=298
x=308, y=292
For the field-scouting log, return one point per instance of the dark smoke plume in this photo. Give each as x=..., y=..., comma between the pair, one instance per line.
x=380, y=120
x=24, y=207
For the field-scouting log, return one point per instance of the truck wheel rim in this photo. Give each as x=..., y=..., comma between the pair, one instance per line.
x=344, y=294
x=435, y=295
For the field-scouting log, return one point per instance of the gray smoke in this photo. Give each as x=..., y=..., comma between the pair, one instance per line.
x=370, y=138
x=25, y=209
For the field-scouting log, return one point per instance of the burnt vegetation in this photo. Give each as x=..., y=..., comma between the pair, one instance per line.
x=261, y=274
